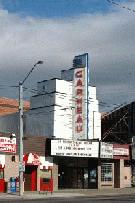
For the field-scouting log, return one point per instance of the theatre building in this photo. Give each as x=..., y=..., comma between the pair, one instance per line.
x=71, y=119
x=62, y=136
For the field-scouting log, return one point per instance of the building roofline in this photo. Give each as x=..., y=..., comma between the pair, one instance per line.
x=41, y=107
x=81, y=54
x=47, y=93
x=73, y=68
x=50, y=79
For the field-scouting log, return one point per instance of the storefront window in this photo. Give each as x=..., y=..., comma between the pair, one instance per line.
x=106, y=172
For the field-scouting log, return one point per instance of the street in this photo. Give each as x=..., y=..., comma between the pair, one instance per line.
x=86, y=199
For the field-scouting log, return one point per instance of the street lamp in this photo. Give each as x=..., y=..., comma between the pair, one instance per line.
x=21, y=170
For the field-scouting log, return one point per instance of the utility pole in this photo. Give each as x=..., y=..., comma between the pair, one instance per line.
x=21, y=139
x=21, y=169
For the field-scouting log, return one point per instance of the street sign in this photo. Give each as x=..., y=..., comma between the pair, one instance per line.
x=22, y=166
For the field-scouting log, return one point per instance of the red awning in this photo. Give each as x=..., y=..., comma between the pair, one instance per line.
x=31, y=159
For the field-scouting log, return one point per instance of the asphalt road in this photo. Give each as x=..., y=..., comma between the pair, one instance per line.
x=105, y=199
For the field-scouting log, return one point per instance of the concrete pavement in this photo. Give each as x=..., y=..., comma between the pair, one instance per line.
x=65, y=193
x=101, y=192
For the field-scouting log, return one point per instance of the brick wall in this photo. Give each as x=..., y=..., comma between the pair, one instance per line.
x=32, y=144
x=35, y=145
x=11, y=167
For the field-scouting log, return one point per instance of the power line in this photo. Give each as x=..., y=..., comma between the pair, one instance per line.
x=108, y=132
x=118, y=4
x=116, y=108
x=63, y=96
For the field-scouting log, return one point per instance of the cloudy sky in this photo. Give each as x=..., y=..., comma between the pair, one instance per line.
x=55, y=31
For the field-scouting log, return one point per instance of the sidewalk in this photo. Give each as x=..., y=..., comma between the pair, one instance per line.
x=69, y=193
x=36, y=195
x=102, y=192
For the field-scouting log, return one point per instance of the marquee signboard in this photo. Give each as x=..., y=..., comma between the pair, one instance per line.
x=7, y=144
x=74, y=148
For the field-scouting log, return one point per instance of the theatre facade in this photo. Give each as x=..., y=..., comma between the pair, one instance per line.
x=91, y=164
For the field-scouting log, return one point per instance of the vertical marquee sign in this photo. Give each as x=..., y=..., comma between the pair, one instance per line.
x=80, y=97
x=79, y=110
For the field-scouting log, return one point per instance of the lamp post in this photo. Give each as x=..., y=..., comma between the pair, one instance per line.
x=21, y=170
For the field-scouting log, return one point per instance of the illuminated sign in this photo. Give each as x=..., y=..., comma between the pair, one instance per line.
x=74, y=148
x=7, y=144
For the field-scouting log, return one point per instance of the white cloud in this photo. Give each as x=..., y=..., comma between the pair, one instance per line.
x=109, y=40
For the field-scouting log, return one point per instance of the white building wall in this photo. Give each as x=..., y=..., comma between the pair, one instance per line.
x=94, y=115
x=93, y=105
x=92, y=92
x=51, y=113
x=97, y=125
x=63, y=86
x=49, y=86
x=62, y=123
x=63, y=110
x=94, y=126
x=47, y=98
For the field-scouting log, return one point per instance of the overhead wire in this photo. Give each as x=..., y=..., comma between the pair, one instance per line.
x=115, y=108
x=121, y=6
x=101, y=103
x=62, y=95
x=108, y=132
x=68, y=124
